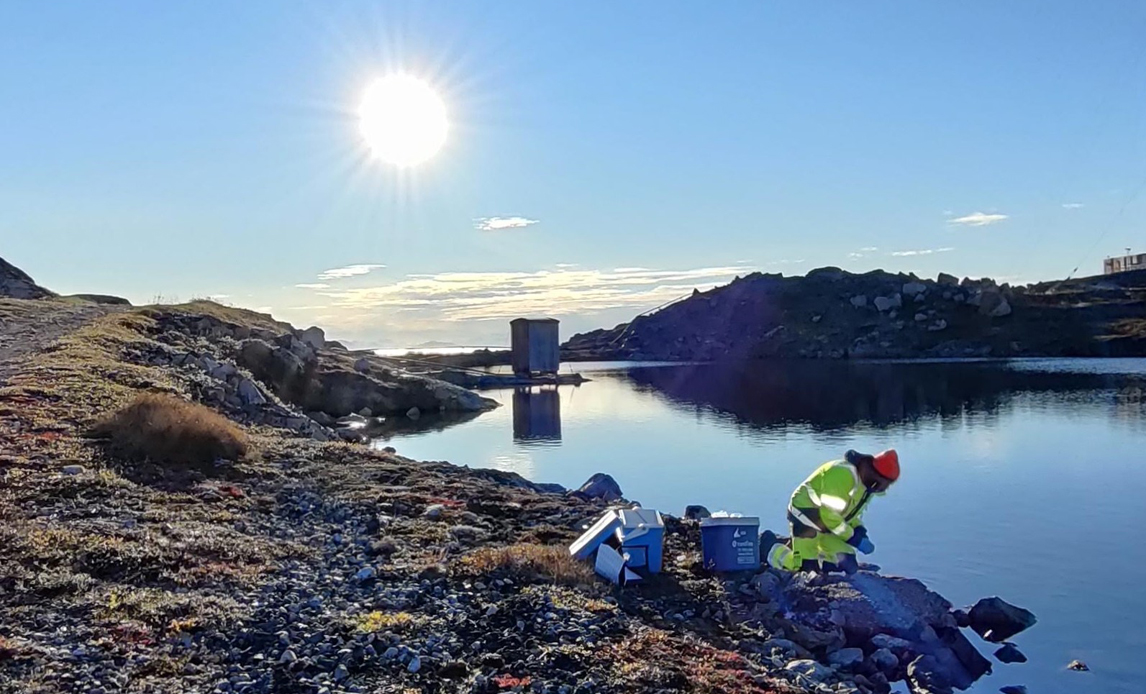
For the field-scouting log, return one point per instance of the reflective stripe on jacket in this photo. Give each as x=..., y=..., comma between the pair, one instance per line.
x=832, y=499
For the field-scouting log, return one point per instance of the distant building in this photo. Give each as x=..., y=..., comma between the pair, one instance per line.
x=535, y=346
x=1124, y=263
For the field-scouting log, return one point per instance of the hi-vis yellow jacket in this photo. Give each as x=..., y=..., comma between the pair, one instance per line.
x=832, y=500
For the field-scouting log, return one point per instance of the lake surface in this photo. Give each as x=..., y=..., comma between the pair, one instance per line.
x=1023, y=479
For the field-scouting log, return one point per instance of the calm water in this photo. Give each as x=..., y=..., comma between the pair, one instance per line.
x=1025, y=480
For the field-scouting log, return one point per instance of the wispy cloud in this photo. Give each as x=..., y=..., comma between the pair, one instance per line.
x=500, y=223
x=1072, y=205
x=869, y=249
x=470, y=296
x=978, y=219
x=788, y=261
x=348, y=271
x=313, y=285
x=926, y=251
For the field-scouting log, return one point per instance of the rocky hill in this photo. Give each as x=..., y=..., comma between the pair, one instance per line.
x=16, y=283
x=830, y=313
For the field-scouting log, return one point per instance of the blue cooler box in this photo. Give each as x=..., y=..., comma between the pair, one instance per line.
x=730, y=544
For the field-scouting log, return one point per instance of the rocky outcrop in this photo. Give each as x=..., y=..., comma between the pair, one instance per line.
x=269, y=365
x=835, y=314
x=880, y=627
x=16, y=283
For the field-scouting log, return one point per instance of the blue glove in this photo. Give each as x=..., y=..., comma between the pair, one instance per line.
x=860, y=541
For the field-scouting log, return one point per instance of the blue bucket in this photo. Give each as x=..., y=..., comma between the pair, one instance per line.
x=730, y=544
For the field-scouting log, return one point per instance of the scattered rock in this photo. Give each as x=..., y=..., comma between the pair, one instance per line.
x=766, y=583
x=313, y=336
x=920, y=317
x=884, y=660
x=366, y=573
x=1009, y=653
x=885, y=303
x=362, y=365
x=696, y=512
x=433, y=511
x=914, y=289
x=415, y=664
x=250, y=394
x=73, y=469
x=996, y=620
x=859, y=301
x=810, y=669
x=925, y=675
x=413, y=413
x=1078, y=666
x=601, y=486
x=846, y=658
x=1013, y=689
x=937, y=326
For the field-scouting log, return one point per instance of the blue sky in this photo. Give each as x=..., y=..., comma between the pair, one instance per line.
x=149, y=149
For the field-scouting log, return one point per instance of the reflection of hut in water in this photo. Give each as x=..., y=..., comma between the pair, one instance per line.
x=536, y=414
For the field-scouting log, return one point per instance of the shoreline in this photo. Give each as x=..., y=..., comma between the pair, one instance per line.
x=316, y=565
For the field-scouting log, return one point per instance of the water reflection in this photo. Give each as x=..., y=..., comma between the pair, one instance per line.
x=536, y=415
x=829, y=396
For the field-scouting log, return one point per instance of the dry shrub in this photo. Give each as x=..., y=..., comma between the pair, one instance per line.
x=530, y=562
x=164, y=429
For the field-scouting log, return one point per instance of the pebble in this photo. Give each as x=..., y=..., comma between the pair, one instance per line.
x=73, y=469
x=415, y=664
x=365, y=574
x=288, y=656
x=433, y=511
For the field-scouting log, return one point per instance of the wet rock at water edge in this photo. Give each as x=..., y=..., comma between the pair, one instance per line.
x=924, y=674
x=1010, y=654
x=1013, y=689
x=1078, y=666
x=601, y=486
x=997, y=620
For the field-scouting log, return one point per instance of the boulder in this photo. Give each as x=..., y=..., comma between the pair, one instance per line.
x=885, y=303
x=810, y=669
x=947, y=280
x=992, y=303
x=1078, y=666
x=766, y=584
x=314, y=337
x=15, y=283
x=884, y=660
x=1009, y=653
x=250, y=394
x=846, y=658
x=997, y=620
x=601, y=486
x=868, y=605
x=104, y=299
x=859, y=301
x=1013, y=689
x=925, y=675
x=914, y=289
x=696, y=512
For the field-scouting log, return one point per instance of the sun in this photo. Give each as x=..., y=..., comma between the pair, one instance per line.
x=402, y=119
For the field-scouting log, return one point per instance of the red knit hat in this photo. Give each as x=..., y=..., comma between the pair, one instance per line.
x=887, y=464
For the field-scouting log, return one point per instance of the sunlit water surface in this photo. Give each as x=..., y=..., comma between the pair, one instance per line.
x=1024, y=479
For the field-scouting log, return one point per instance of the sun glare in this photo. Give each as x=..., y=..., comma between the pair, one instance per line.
x=402, y=120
